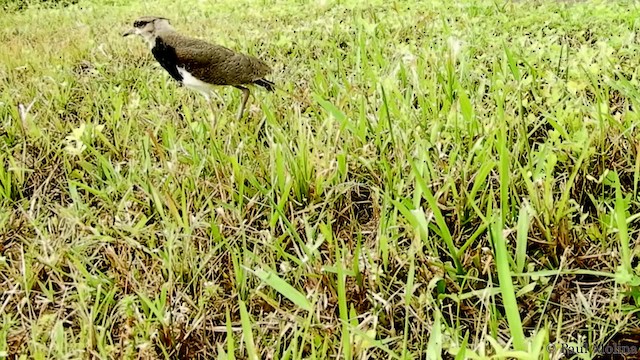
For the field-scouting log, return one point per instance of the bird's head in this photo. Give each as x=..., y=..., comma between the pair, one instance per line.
x=148, y=27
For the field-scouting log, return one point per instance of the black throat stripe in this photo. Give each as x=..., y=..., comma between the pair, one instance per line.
x=166, y=56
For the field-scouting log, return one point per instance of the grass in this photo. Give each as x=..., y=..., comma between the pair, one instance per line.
x=429, y=180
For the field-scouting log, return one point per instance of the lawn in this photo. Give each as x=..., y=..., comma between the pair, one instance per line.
x=433, y=179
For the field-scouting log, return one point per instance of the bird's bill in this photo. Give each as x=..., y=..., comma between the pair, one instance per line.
x=129, y=32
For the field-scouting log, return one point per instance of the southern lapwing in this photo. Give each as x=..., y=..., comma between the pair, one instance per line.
x=198, y=64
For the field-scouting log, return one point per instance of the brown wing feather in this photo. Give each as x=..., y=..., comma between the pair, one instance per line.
x=215, y=64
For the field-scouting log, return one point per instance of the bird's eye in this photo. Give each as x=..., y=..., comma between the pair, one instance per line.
x=138, y=24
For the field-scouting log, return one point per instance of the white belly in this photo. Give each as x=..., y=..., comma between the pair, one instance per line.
x=191, y=82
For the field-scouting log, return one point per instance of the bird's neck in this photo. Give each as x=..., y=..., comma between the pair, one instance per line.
x=150, y=38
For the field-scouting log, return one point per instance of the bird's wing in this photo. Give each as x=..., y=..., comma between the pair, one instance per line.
x=215, y=64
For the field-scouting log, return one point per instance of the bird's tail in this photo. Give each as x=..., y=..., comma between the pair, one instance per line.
x=269, y=85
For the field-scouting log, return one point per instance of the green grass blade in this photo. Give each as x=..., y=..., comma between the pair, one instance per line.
x=272, y=279
x=247, y=334
x=506, y=286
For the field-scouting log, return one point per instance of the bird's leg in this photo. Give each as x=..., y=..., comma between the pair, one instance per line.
x=218, y=97
x=245, y=97
x=213, y=110
x=207, y=97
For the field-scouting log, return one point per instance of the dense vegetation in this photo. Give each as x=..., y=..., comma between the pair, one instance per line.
x=10, y=6
x=429, y=179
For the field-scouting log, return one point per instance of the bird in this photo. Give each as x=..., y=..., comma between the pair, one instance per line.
x=200, y=65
